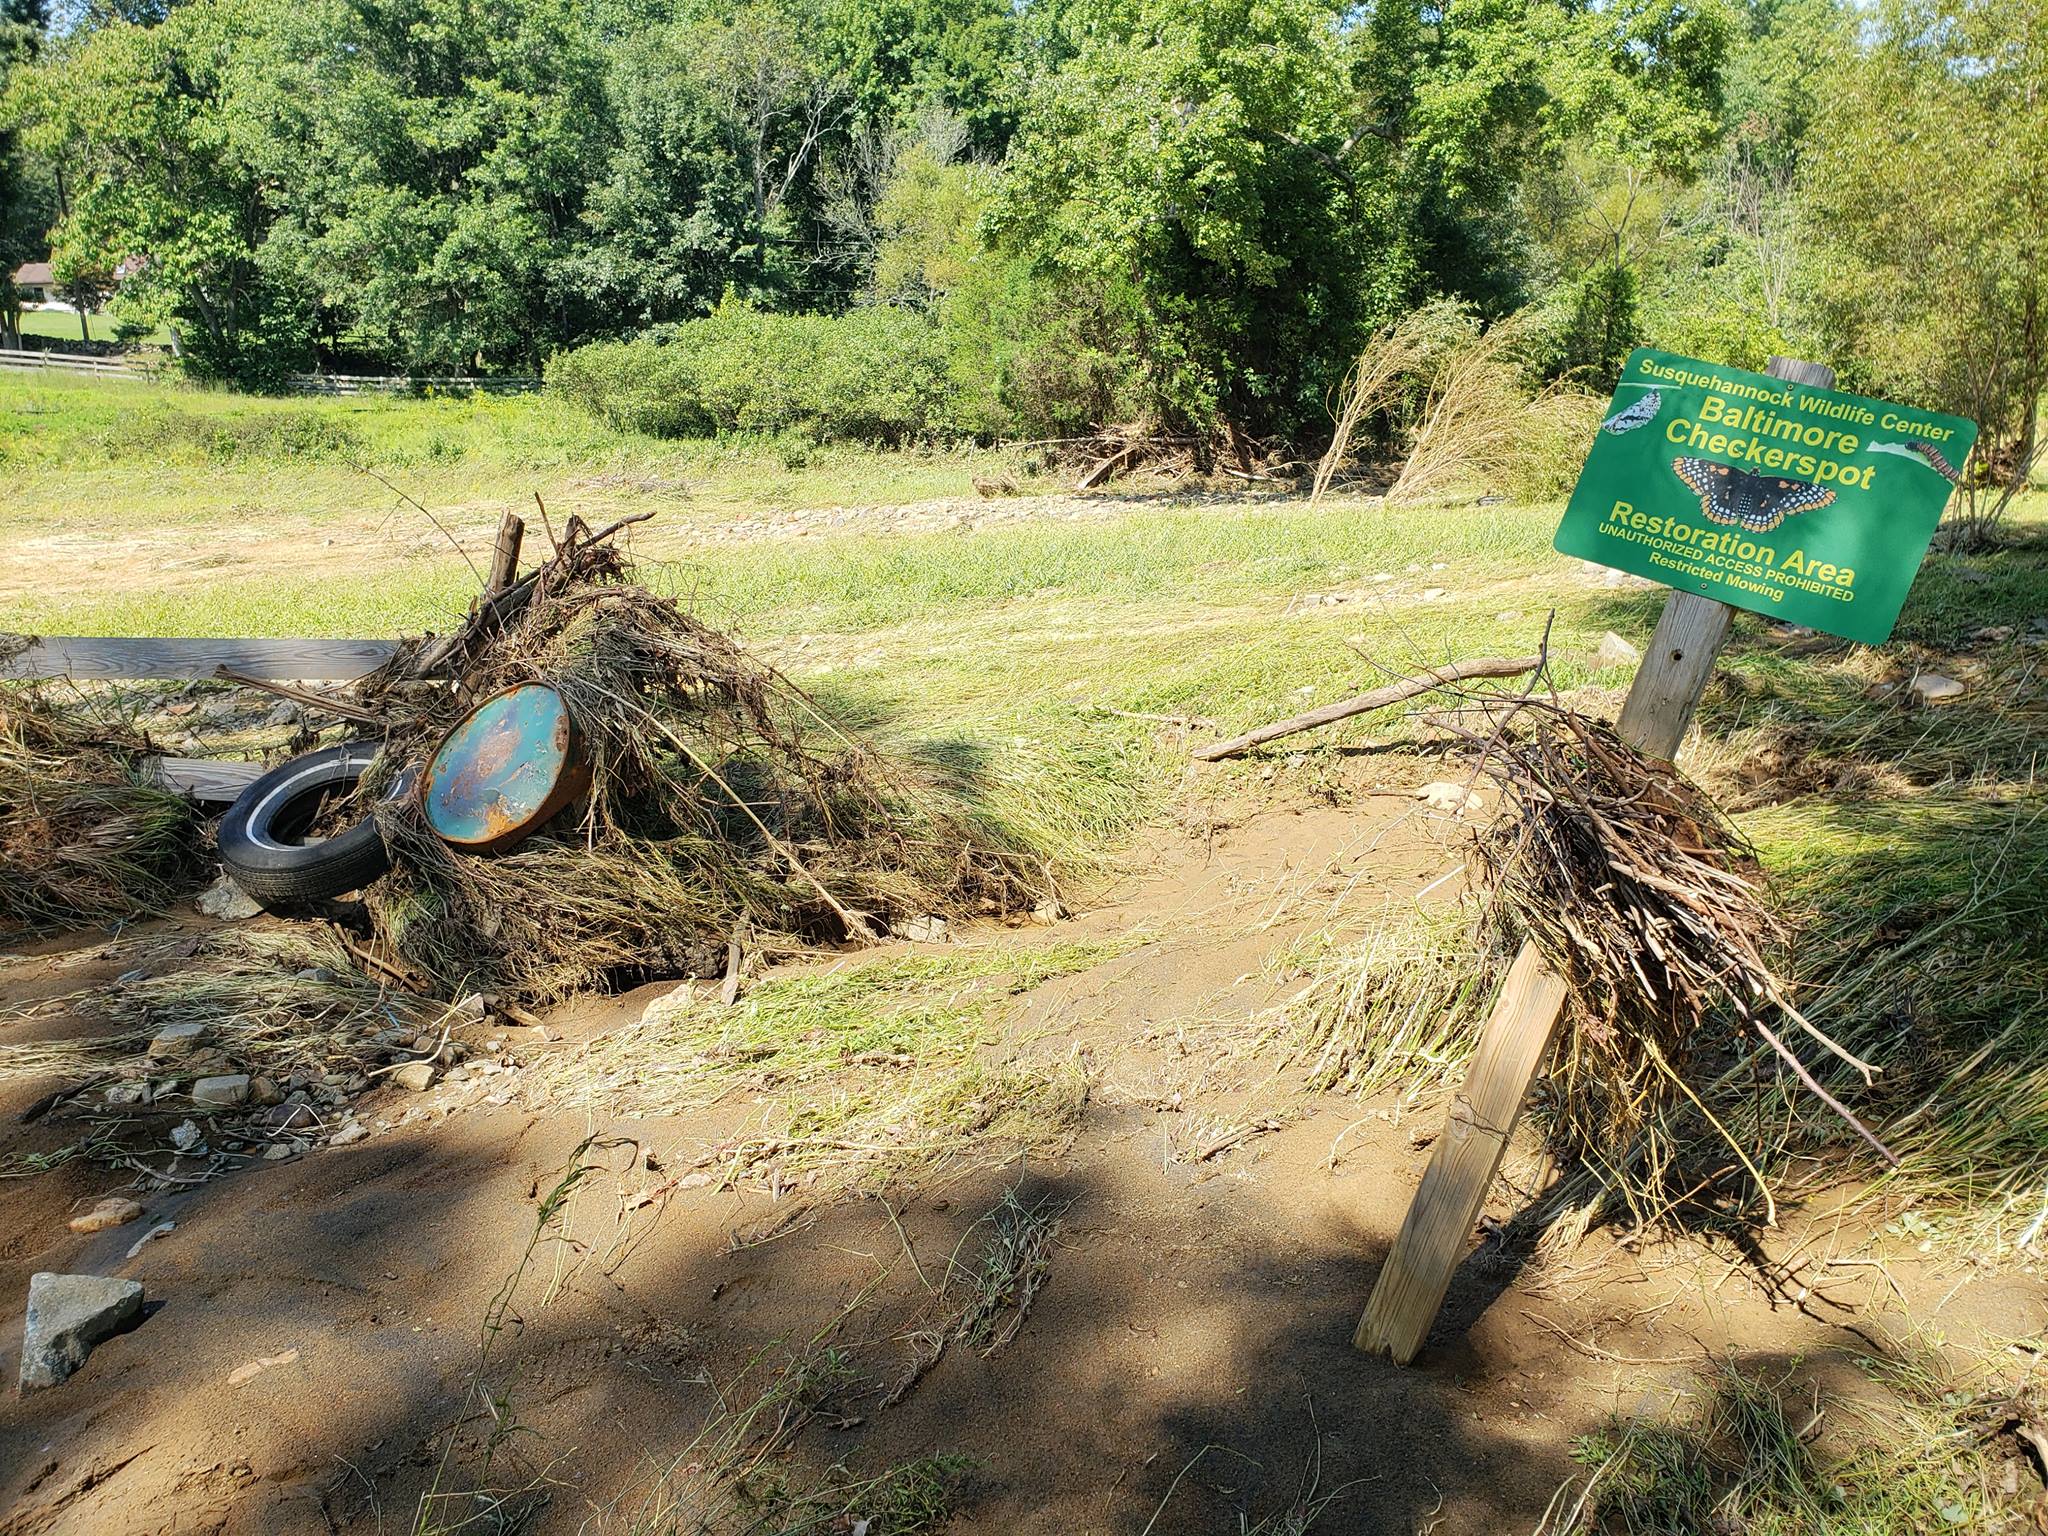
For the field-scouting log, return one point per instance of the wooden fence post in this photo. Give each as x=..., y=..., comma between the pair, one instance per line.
x=1516, y=1039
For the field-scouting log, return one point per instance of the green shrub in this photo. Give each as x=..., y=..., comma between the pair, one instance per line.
x=872, y=375
x=635, y=386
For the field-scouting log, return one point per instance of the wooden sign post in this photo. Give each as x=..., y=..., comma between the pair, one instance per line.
x=1517, y=1036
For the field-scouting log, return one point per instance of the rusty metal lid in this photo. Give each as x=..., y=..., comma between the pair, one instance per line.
x=505, y=769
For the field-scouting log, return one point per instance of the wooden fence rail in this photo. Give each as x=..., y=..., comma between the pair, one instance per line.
x=105, y=659
x=67, y=362
x=299, y=383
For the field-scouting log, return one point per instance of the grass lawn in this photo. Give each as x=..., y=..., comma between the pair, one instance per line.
x=64, y=325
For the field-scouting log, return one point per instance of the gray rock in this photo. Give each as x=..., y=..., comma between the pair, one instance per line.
x=1933, y=688
x=292, y=1117
x=922, y=930
x=185, y=1136
x=1615, y=652
x=314, y=973
x=278, y=1151
x=348, y=1135
x=225, y=1091
x=121, y=1095
x=67, y=1316
x=225, y=900
x=286, y=713
x=176, y=1040
x=416, y=1076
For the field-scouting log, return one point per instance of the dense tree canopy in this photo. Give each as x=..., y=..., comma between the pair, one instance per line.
x=1187, y=212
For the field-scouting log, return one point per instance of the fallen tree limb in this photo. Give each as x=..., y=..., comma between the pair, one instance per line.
x=1379, y=698
x=310, y=698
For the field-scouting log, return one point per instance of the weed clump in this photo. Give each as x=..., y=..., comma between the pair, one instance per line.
x=1750, y=1454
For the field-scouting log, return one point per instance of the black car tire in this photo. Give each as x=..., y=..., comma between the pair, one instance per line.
x=261, y=838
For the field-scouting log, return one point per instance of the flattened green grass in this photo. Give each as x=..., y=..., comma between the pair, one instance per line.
x=877, y=1070
x=151, y=449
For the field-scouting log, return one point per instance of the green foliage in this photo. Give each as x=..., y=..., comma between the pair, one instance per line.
x=1184, y=182
x=164, y=163
x=1601, y=325
x=1932, y=185
x=926, y=218
x=875, y=374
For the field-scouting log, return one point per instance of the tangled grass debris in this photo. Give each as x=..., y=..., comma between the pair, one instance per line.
x=84, y=837
x=1754, y=1450
x=1648, y=901
x=725, y=808
x=288, y=1010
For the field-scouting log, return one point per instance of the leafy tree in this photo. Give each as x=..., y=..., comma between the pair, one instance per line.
x=1240, y=188
x=426, y=163
x=1194, y=177
x=84, y=285
x=161, y=154
x=27, y=191
x=710, y=188
x=901, y=58
x=1931, y=186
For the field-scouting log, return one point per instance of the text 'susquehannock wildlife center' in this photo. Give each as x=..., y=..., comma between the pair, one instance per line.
x=1806, y=504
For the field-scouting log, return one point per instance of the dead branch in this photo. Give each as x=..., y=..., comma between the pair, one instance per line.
x=1378, y=698
x=311, y=698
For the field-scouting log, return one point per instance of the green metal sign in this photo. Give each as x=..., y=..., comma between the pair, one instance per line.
x=1809, y=505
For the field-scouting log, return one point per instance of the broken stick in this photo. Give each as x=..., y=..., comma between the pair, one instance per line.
x=1379, y=698
x=505, y=555
x=309, y=697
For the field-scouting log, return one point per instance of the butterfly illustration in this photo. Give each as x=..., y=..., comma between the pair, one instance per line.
x=1747, y=500
x=1937, y=458
x=1630, y=417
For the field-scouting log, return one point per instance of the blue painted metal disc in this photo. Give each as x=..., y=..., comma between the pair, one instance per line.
x=506, y=768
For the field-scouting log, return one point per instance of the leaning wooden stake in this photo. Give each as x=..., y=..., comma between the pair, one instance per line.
x=1512, y=1046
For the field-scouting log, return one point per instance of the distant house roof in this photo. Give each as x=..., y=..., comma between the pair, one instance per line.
x=34, y=274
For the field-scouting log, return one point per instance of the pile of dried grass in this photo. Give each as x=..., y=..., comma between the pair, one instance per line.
x=290, y=1008
x=1642, y=895
x=725, y=809
x=83, y=837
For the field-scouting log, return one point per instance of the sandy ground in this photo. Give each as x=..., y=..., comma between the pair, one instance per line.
x=1188, y=1363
